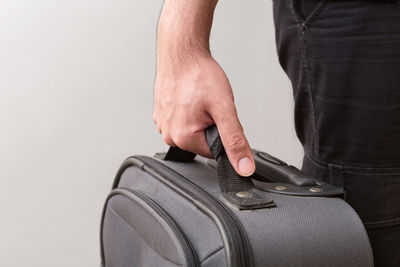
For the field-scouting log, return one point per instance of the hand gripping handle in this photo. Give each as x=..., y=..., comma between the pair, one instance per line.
x=238, y=190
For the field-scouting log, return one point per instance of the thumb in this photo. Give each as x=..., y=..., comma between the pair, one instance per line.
x=235, y=142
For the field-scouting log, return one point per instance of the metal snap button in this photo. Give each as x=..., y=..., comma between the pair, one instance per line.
x=315, y=189
x=280, y=188
x=243, y=194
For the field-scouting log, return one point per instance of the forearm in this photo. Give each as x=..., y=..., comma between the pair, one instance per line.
x=191, y=89
x=184, y=29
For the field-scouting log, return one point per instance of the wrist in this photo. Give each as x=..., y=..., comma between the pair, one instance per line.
x=181, y=41
x=174, y=54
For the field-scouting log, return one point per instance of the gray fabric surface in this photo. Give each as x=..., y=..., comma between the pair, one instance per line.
x=127, y=247
x=300, y=231
x=216, y=260
x=196, y=225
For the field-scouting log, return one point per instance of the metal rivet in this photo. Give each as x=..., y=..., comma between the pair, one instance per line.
x=280, y=188
x=243, y=194
x=315, y=189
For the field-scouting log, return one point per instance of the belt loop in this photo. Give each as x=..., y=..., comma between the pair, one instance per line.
x=336, y=175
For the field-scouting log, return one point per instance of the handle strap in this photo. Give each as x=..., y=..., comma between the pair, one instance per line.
x=176, y=154
x=238, y=190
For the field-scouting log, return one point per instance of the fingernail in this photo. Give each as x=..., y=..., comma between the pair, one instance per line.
x=246, y=167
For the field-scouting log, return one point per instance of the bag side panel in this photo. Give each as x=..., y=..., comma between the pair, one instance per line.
x=197, y=226
x=132, y=237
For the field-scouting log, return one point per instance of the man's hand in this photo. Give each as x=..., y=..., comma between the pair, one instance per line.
x=192, y=91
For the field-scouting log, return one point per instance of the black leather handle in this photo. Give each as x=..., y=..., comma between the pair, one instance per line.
x=236, y=189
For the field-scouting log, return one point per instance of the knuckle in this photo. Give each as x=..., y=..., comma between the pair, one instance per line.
x=236, y=142
x=224, y=106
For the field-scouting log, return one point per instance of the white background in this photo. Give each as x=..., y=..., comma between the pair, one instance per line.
x=76, y=93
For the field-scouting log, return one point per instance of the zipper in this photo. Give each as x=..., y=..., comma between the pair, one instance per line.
x=236, y=238
x=188, y=250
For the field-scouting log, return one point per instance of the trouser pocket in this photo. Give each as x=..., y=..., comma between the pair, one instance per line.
x=374, y=193
x=375, y=196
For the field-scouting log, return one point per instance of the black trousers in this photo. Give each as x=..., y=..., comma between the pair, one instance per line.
x=343, y=59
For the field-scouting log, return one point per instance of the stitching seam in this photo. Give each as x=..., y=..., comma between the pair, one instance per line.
x=212, y=254
x=384, y=223
x=356, y=170
x=316, y=12
x=309, y=85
